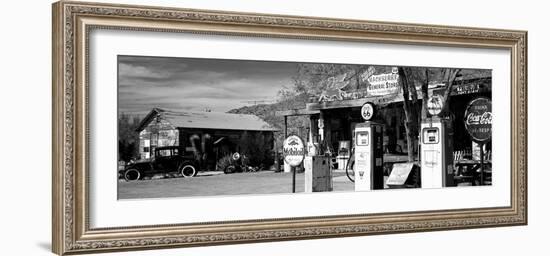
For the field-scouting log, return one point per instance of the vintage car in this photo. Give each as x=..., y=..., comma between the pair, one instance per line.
x=165, y=160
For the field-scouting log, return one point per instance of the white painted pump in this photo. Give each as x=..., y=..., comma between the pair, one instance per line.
x=436, y=153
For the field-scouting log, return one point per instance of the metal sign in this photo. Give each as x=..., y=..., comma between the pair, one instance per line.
x=293, y=150
x=383, y=84
x=478, y=119
x=367, y=111
x=399, y=174
x=435, y=105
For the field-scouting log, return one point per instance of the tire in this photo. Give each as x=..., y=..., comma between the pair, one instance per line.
x=188, y=170
x=132, y=175
x=236, y=156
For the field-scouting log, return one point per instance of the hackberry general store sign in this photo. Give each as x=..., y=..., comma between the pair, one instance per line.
x=383, y=84
x=293, y=150
x=478, y=119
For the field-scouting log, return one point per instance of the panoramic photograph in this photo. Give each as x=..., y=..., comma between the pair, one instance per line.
x=191, y=127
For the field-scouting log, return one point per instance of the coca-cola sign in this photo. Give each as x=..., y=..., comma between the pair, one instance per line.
x=478, y=119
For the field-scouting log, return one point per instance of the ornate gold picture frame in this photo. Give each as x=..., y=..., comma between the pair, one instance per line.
x=72, y=208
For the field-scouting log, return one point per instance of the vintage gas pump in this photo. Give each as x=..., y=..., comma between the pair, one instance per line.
x=368, y=168
x=436, y=168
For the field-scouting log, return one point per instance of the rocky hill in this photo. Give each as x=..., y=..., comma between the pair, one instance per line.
x=267, y=113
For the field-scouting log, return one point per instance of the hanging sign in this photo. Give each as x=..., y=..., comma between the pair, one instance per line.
x=478, y=119
x=435, y=104
x=293, y=150
x=367, y=111
x=383, y=84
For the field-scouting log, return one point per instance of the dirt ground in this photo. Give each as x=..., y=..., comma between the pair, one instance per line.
x=219, y=184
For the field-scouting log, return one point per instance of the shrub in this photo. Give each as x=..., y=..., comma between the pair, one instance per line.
x=257, y=148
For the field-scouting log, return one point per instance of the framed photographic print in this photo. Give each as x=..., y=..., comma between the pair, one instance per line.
x=179, y=127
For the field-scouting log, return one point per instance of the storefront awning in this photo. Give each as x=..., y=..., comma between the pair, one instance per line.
x=458, y=89
x=296, y=112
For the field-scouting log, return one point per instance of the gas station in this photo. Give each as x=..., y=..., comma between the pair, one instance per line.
x=362, y=133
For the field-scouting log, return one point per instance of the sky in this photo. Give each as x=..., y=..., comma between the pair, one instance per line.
x=196, y=84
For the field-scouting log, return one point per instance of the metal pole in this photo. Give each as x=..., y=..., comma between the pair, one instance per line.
x=286, y=129
x=293, y=179
x=481, y=154
x=277, y=164
x=293, y=169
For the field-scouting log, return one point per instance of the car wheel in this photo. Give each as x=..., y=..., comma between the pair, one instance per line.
x=131, y=175
x=188, y=170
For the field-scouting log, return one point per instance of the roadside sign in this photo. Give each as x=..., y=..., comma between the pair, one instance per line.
x=399, y=174
x=367, y=111
x=478, y=119
x=293, y=150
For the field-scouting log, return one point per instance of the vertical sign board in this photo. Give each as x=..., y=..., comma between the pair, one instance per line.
x=294, y=153
x=478, y=119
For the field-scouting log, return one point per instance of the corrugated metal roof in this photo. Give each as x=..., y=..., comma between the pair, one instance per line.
x=215, y=120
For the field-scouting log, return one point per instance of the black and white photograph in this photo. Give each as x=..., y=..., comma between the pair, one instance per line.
x=220, y=127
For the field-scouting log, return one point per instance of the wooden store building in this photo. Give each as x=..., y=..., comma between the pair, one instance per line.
x=209, y=135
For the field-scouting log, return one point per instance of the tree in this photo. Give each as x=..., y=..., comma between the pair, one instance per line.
x=128, y=138
x=410, y=76
x=409, y=107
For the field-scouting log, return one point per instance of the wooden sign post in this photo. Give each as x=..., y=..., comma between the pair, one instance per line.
x=294, y=153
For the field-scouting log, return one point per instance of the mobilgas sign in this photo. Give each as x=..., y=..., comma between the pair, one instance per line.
x=478, y=119
x=293, y=150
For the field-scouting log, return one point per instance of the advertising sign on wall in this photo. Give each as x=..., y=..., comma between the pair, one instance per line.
x=383, y=84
